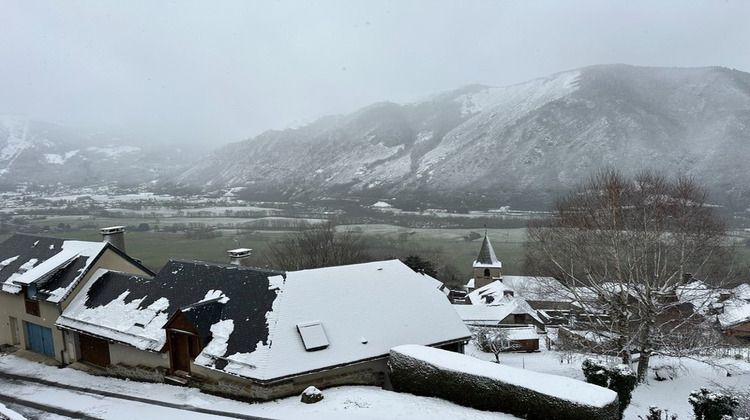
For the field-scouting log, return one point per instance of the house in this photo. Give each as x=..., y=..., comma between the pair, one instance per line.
x=733, y=314
x=505, y=312
x=260, y=334
x=41, y=275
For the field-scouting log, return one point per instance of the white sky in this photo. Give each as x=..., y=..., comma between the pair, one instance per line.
x=222, y=71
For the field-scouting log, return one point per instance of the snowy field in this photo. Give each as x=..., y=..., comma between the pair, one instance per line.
x=342, y=402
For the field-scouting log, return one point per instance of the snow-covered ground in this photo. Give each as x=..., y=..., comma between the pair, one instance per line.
x=354, y=401
x=669, y=395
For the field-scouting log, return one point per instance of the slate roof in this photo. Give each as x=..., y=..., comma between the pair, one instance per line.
x=133, y=309
x=364, y=310
x=487, y=257
x=51, y=267
x=487, y=294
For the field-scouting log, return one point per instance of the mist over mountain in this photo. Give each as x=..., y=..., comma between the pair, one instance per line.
x=519, y=145
x=474, y=147
x=41, y=153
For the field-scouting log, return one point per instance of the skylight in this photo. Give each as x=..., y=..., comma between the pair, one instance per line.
x=313, y=335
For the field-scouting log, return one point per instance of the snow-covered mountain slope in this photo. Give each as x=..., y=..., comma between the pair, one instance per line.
x=514, y=144
x=42, y=153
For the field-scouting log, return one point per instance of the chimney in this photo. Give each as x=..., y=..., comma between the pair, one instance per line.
x=238, y=256
x=114, y=235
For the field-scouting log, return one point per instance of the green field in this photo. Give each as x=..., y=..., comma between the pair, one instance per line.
x=446, y=246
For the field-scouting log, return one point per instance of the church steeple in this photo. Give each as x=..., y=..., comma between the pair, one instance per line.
x=486, y=267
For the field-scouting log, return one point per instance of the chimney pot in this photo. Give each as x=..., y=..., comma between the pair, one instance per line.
x=239, y=255
x=114, y=235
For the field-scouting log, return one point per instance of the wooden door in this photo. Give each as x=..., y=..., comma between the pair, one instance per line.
x=94, y=350
x=179, y=351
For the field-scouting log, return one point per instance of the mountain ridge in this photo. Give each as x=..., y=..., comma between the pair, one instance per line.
x=502, y=144
x=477, y=146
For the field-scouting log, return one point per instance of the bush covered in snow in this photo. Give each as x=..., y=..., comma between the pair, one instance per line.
x=712, y=405
x=618, y=378
x=656, y=413
x=474, y=383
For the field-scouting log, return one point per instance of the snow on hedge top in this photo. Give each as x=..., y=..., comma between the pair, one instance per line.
x=556, y=386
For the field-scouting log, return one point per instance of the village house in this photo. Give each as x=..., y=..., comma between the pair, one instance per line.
x=732, y=312
x=260, y=334
x=40, y=276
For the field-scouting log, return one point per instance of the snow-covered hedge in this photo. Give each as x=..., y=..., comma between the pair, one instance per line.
x=488, y=386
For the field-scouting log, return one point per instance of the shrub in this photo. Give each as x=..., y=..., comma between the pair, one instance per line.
x=655, y=413
x=618, y=378
x=712, y=405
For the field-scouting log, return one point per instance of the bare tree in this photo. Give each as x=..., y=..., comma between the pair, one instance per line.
x=318, y=245
x=491, y=340
x=625, y=248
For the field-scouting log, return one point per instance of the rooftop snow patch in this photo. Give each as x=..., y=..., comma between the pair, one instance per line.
x=54, y=265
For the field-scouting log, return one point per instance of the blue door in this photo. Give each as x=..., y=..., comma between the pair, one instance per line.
x=40, y=339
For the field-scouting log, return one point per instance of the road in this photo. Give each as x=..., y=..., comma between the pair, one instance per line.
x=67, y=401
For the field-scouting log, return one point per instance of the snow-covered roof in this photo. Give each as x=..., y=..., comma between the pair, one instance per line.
x=494, y=314
x=436, y=284
x=487, y=257
x=736, y=311
x=490, y=293
x=742, y=291
x=546, y=289
x=522, y=333
x=363, y=310
x=53, y=266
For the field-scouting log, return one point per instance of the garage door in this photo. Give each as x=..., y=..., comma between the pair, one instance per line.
x=94, y=350
x=40, y=339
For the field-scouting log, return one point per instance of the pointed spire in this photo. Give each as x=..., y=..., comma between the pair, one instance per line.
x=487, y=257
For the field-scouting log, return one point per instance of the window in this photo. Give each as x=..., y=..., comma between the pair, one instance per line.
x=313, y=335
x=486, y=272
x=32, y=305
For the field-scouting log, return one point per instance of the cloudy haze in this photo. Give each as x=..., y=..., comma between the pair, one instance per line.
x=221, y=71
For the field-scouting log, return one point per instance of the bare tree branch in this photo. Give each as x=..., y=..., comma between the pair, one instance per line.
x=626, y=247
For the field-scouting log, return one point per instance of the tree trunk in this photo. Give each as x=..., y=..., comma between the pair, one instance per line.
x=642, y=370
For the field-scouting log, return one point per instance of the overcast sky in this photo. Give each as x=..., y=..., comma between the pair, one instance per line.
x=222, y=71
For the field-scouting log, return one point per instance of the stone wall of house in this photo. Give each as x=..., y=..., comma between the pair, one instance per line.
x=212, y=381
